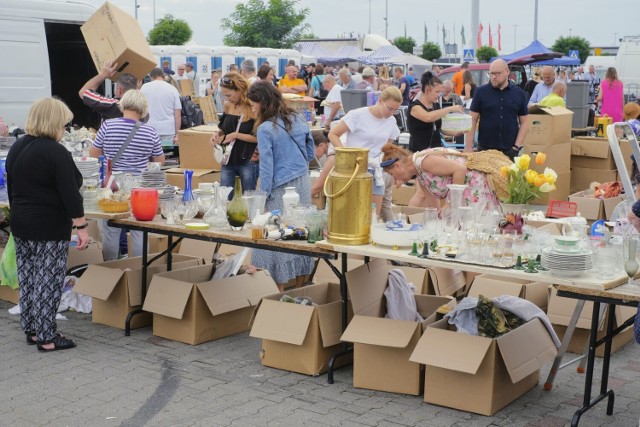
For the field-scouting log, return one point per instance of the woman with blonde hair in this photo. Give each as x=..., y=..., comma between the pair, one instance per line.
x=43, y=185
x=237, y=133
x=384, y=79
x=468, y=85
x=611, y=95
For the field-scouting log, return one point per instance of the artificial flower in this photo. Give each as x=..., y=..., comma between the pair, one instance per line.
x=524, y=184
x=541, y=158
x=522, y=162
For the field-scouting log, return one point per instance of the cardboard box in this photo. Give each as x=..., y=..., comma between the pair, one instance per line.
x=113, y=34
x=560, y=311
x=189, y=308
x=549, y=126
x=8, y=294
x=300, y=338
x=595, y=153
x=594, y=208
x=558, y=157
x=444, y=281
x=492, y=286
x=195, y=150
x=208, y=108
x=401, y=195
x=115, y=288
x=581, y=178
x=478, y=374
x=175, y=176
x=562, y=191
x=382, y=346
x=157, y=243
x=319, y=200
x=91, y=255
x=92, y=229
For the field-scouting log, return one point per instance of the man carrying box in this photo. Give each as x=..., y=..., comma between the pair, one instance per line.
x=108, y=108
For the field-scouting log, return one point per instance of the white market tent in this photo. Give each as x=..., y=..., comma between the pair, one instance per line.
x=344, y=54
x=408, y=59
x=381, y=55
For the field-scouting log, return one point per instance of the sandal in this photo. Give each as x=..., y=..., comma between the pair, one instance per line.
x=60, y=343
x=31, y=338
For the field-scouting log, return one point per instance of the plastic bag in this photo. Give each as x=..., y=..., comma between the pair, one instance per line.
x=8, y=266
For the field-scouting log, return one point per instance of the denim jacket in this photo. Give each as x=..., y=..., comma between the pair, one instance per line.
x=284, y=155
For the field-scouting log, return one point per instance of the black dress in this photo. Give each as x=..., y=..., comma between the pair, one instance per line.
x=423, y=135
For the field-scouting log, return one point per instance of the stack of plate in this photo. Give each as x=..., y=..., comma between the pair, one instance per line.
x=168, y=192
x=157, y=179
x=563, y=263
x=88, y=166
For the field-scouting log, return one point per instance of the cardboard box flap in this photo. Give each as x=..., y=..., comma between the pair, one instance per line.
x=598, y=148
x=98, y=281
x=167, y=297
x=234, y=293
x=366, y=286
x=446, y=281
x=492, y=288
x=526, y=349
x=379, y=331
x=282, y=322
x=549, y=111
x=443, y=348
x=196, y=172
x=330, y=330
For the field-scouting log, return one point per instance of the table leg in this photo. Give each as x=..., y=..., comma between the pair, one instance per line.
x=143, y=285
x=548, y=385
x=346, y=349
x=169, y=252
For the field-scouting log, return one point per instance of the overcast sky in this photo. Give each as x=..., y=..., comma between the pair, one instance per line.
x=598, y=21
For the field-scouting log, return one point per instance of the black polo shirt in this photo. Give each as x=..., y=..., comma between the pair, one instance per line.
x=499, y=111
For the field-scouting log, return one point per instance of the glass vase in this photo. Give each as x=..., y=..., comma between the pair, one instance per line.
x=188, y=196
x=237, y=211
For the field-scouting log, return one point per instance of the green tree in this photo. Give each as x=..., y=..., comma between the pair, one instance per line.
x=405, y=44
x=485, y=53
x=431, y=51
x=274, y=24
x=171, y=31
x=565, y=44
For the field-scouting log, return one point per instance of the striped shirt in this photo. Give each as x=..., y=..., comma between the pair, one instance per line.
x=144, y=145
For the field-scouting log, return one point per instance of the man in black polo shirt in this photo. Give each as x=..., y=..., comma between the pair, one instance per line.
x=502, y=107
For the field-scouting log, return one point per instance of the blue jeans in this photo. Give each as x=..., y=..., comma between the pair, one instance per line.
x=248, y=172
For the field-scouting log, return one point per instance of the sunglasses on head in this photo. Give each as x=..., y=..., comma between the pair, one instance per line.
x=389, y=162
x=226, y=81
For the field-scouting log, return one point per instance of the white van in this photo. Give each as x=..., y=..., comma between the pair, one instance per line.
x=43, y=54
x=600, y=63
x=628, y=64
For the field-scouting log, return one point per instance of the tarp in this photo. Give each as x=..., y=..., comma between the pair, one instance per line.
x=344, y=54
x=534, y=48
x=310, y=49
x=565, y=61
x=381, y=55
x=408, y=59
x=537, y=48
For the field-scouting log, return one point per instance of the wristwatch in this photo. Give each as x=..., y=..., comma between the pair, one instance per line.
x=81, y=227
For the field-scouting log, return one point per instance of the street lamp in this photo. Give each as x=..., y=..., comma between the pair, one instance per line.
x=136, y=8
x=369, y=16
x=386, y=20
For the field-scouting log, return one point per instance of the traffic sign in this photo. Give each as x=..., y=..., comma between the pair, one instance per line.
x=574, y=54
x=468, y=54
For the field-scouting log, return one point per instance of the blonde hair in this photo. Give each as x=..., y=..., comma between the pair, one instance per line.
x=47, y=118
x=384, y=72
x=134, y=100
x=391, y=93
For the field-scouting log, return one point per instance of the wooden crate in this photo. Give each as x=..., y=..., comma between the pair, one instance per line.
x=187, y=88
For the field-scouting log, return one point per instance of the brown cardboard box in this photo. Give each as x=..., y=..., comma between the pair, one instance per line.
x=562, y=191
x=581, y=178
x=8, y=294
x=300, y=338
x=175, y=176
x=195, y=150
x=115, y=288
x=189, y=308
x=204, y=249
x=319, y=200
x=113, y=34
x=560, y=312
x=558, y=157
x=594, y=208
x=492, y=286
x=549, y=126
x=157, y=243
x=92, y=229
x=595, y=153
x=382, y=346
x=402, y=195
x=478, y=374
x=444, y=281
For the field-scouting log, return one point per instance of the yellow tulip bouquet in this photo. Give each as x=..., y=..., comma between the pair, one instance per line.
x=524, y=184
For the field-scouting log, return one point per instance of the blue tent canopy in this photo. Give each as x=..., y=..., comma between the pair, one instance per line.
x=564, y=61
x=534, y=48
x=528, y=56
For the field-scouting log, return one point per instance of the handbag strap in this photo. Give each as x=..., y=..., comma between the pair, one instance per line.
x=126, y=143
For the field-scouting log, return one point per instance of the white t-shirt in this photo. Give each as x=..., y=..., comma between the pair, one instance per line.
x=164, y=100
x=368, y=131
x=333, y=96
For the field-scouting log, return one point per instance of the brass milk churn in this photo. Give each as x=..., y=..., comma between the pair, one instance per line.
x=349, y=187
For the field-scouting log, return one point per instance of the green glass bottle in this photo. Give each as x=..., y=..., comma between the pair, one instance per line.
x=237, y=211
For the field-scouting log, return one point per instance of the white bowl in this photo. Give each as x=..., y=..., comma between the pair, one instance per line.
x=381, y=235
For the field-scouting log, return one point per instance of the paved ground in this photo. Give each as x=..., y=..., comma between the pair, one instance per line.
x=113, y=380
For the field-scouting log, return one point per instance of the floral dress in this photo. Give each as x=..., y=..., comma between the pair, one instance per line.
x=437, y=185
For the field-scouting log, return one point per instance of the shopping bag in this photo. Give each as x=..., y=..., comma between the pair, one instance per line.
x=8, y=266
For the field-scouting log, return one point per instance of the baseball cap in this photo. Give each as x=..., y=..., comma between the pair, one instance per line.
x=189, y=64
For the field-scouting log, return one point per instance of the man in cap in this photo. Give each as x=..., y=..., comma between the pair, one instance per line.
x=191, y=74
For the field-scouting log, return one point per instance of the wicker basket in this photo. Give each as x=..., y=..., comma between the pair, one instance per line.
x=112, y=206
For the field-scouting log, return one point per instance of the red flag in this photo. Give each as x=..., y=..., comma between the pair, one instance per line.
x=499, y=38
x=490, y=36
x=480, y=28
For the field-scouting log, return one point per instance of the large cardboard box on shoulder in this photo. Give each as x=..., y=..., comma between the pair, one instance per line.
x=492, y=286
x=595, y=153
x=175, y=176
x=301, y=338
x=592, y=207
x=560, y=311
x=196, y=152
x=116, y=288
x=112, y=34
x=382, y=346
x=190, y=308
x=549, y=126
x=479, y=374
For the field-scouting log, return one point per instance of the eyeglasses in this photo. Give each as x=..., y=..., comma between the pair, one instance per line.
x=391, y=110
x=496, y=73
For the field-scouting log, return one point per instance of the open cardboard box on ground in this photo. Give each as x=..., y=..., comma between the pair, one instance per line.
x=115, y=288
x=382, y=346
x=189, y=308
x=593, y=208
x=196, y=151
x=492, y=286
x=479, y=374
x=549, y=126
x=560, y=311
x=581, y=178
x=301, y=338
x=112, y=34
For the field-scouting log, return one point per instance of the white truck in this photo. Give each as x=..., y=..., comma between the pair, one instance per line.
x=43, y=54
x=628, y=66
